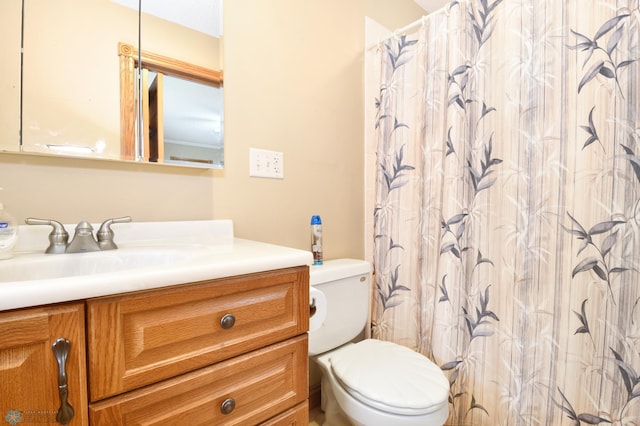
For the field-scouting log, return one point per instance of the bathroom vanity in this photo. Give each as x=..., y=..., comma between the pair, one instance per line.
x=218, y=337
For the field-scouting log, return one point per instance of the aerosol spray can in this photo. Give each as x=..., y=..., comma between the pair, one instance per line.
x=316, y=239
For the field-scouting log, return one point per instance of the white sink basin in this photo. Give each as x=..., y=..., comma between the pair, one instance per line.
x=38, y=266
x=149, y=255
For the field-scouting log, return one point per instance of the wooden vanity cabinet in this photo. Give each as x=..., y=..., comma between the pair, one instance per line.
x=228, y=351
x=29, y=369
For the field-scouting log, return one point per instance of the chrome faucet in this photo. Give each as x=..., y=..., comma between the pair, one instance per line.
x=83, y=239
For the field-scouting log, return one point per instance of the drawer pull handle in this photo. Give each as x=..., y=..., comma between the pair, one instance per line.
x=61, y=349
x=227, y=321
x=227, y=406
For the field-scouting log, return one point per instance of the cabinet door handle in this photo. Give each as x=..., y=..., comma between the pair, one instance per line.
x=227, y=321
x=61, y=349
x=227, y=406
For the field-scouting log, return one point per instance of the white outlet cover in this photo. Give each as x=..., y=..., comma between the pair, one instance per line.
x=266, y=164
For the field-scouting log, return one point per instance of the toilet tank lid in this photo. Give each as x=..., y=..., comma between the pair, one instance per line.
x=337, y=269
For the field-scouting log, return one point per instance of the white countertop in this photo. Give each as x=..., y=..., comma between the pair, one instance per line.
x=208, y=250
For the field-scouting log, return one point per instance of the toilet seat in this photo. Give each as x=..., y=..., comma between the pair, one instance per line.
x=390, y=377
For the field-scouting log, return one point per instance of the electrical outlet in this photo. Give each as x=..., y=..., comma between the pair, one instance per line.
x=265, y=163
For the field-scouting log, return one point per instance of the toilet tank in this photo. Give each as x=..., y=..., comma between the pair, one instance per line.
x=342, y=305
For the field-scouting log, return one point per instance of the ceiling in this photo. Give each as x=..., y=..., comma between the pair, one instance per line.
x=206, y=15
x=432, y=5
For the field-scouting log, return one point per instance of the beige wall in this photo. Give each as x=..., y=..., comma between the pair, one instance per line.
x=293, y=83
x=294, y=70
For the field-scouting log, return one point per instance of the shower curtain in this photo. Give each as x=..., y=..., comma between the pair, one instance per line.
x=506, y=217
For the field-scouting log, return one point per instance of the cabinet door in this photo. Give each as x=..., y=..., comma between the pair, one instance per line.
x=142, y=338
x=29, y=369
x=246, y=390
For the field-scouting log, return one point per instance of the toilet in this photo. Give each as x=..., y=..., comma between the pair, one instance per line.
x=371, y=382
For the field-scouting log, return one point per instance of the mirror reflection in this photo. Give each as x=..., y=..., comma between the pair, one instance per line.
x=181, y=110
x=71, y=75
x=10, y=30
x=190, y=126
x=69, y=88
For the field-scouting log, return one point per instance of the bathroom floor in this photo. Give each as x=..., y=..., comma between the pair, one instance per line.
x=316, y=417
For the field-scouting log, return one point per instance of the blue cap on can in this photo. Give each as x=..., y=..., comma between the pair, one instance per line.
x=315, y=220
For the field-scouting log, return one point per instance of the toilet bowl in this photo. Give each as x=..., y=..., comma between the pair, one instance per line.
x=371, y=382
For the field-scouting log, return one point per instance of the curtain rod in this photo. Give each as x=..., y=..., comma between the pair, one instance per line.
x=402, y=30
x=411, y=26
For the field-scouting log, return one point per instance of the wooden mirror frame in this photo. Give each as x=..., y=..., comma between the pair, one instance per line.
x=153, y=62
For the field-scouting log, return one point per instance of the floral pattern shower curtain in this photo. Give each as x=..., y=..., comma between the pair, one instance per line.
x=507, y=207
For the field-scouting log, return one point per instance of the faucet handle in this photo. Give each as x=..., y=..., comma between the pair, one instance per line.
x=105, y=234
x=58, y=238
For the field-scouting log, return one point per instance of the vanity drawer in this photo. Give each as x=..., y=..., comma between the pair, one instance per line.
x=297, y=416
x=261, y=385
x=142, y=338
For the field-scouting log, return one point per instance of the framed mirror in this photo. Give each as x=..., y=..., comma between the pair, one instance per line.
x=65, y=97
